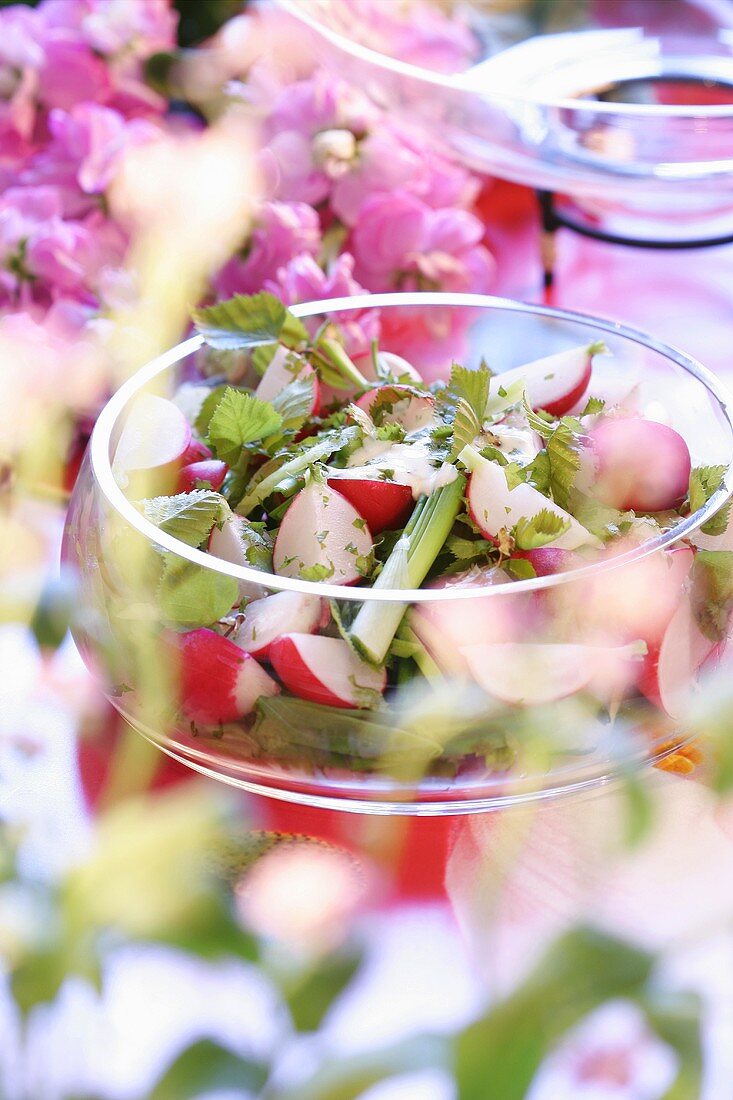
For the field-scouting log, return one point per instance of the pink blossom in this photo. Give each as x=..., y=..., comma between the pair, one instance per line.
x=111, y=26
x=94, y=138
x=401, y=243
x=283, y=230
x=302, y=280
x=71, y=72
x=300, y=113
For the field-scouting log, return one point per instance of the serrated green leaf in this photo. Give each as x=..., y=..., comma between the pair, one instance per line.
x=248, y=321
x=471, y=387
x=208, y=407
x=538, y=473
x=712, y=591
x=294, y=404
x=563, y=452
x=188, y=517
x=190, y=596
x=593, y=406
x=540, y=530
x=207, y=1067
x=704, y=481
x=466, y=426
x=601, y=520
x=240, y=418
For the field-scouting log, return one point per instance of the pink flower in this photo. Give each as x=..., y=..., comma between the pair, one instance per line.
x=293, y=131
x=401, y=243
x=111, y=26
x=302, y=280
x=71, y=72
x=283, y=230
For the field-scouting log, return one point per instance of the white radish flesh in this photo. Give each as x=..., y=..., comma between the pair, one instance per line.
x=493, y=506
x=230, y=542
x=286, y=367
x=322, y=537
x=267, y=619
x=325, y=670
x=553, y=384
x=154, y=438
x=219, y=682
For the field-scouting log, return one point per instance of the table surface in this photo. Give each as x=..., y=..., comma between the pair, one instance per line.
x=439, y=932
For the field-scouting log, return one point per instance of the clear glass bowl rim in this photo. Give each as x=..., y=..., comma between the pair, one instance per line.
x=99, y=453
x=458, y=81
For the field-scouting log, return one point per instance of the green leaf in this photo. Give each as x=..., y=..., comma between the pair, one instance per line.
x=248, y=321
x=593, y=406
x=712, y=591
x=563, y=452
x=240, y=418
x=207, y=410
x=676, y=1019
x=471, y=387
x=207, y=1067
x=188, y=517
x=294, y=404
x=497, y=1057
x=704, y=481
x=466, y=426
x=348, y=1078
x=601, y=520
x=191, y=596
x=545, y=527
x=468, y=551
x=311, y=995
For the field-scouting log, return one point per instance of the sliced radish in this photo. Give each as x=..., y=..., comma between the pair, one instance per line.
x=529, y=674
x=555, y=383
x=640, y=464
x=233, y=542
x=155, y=437
x=197, y=474
x=196, y=451
x=399, y=405
x=322, y=537
x=548, y=560
x=385, y=505
x=391, y=364
x=325, y=670
x=671, y=669
x=267, y=619
x=219, y=681
x=286, y=367
x=493, y=506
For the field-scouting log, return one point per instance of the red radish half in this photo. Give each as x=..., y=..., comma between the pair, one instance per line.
x=493, y=505
x=230, y=542
x=196, y=451
x=548, y=560
x=555, y=383
x=671, y=669
x=219, y=681
x=267, y=619
x=209, y=472
x=640, y=464
x=322, y=533
x=286, y=367
x=399, y=405
x=155, y=437
x=528, y=674
x=325, y=670
x=385, y=505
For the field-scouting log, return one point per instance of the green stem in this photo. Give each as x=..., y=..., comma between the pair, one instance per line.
x=407, y=566
x=337, y=358
x=262, y=489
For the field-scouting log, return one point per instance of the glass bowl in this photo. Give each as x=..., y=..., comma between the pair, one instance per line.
x=634, y=121
x=446, y=744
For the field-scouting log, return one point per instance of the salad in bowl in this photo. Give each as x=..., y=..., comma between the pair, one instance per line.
x=311, y=566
